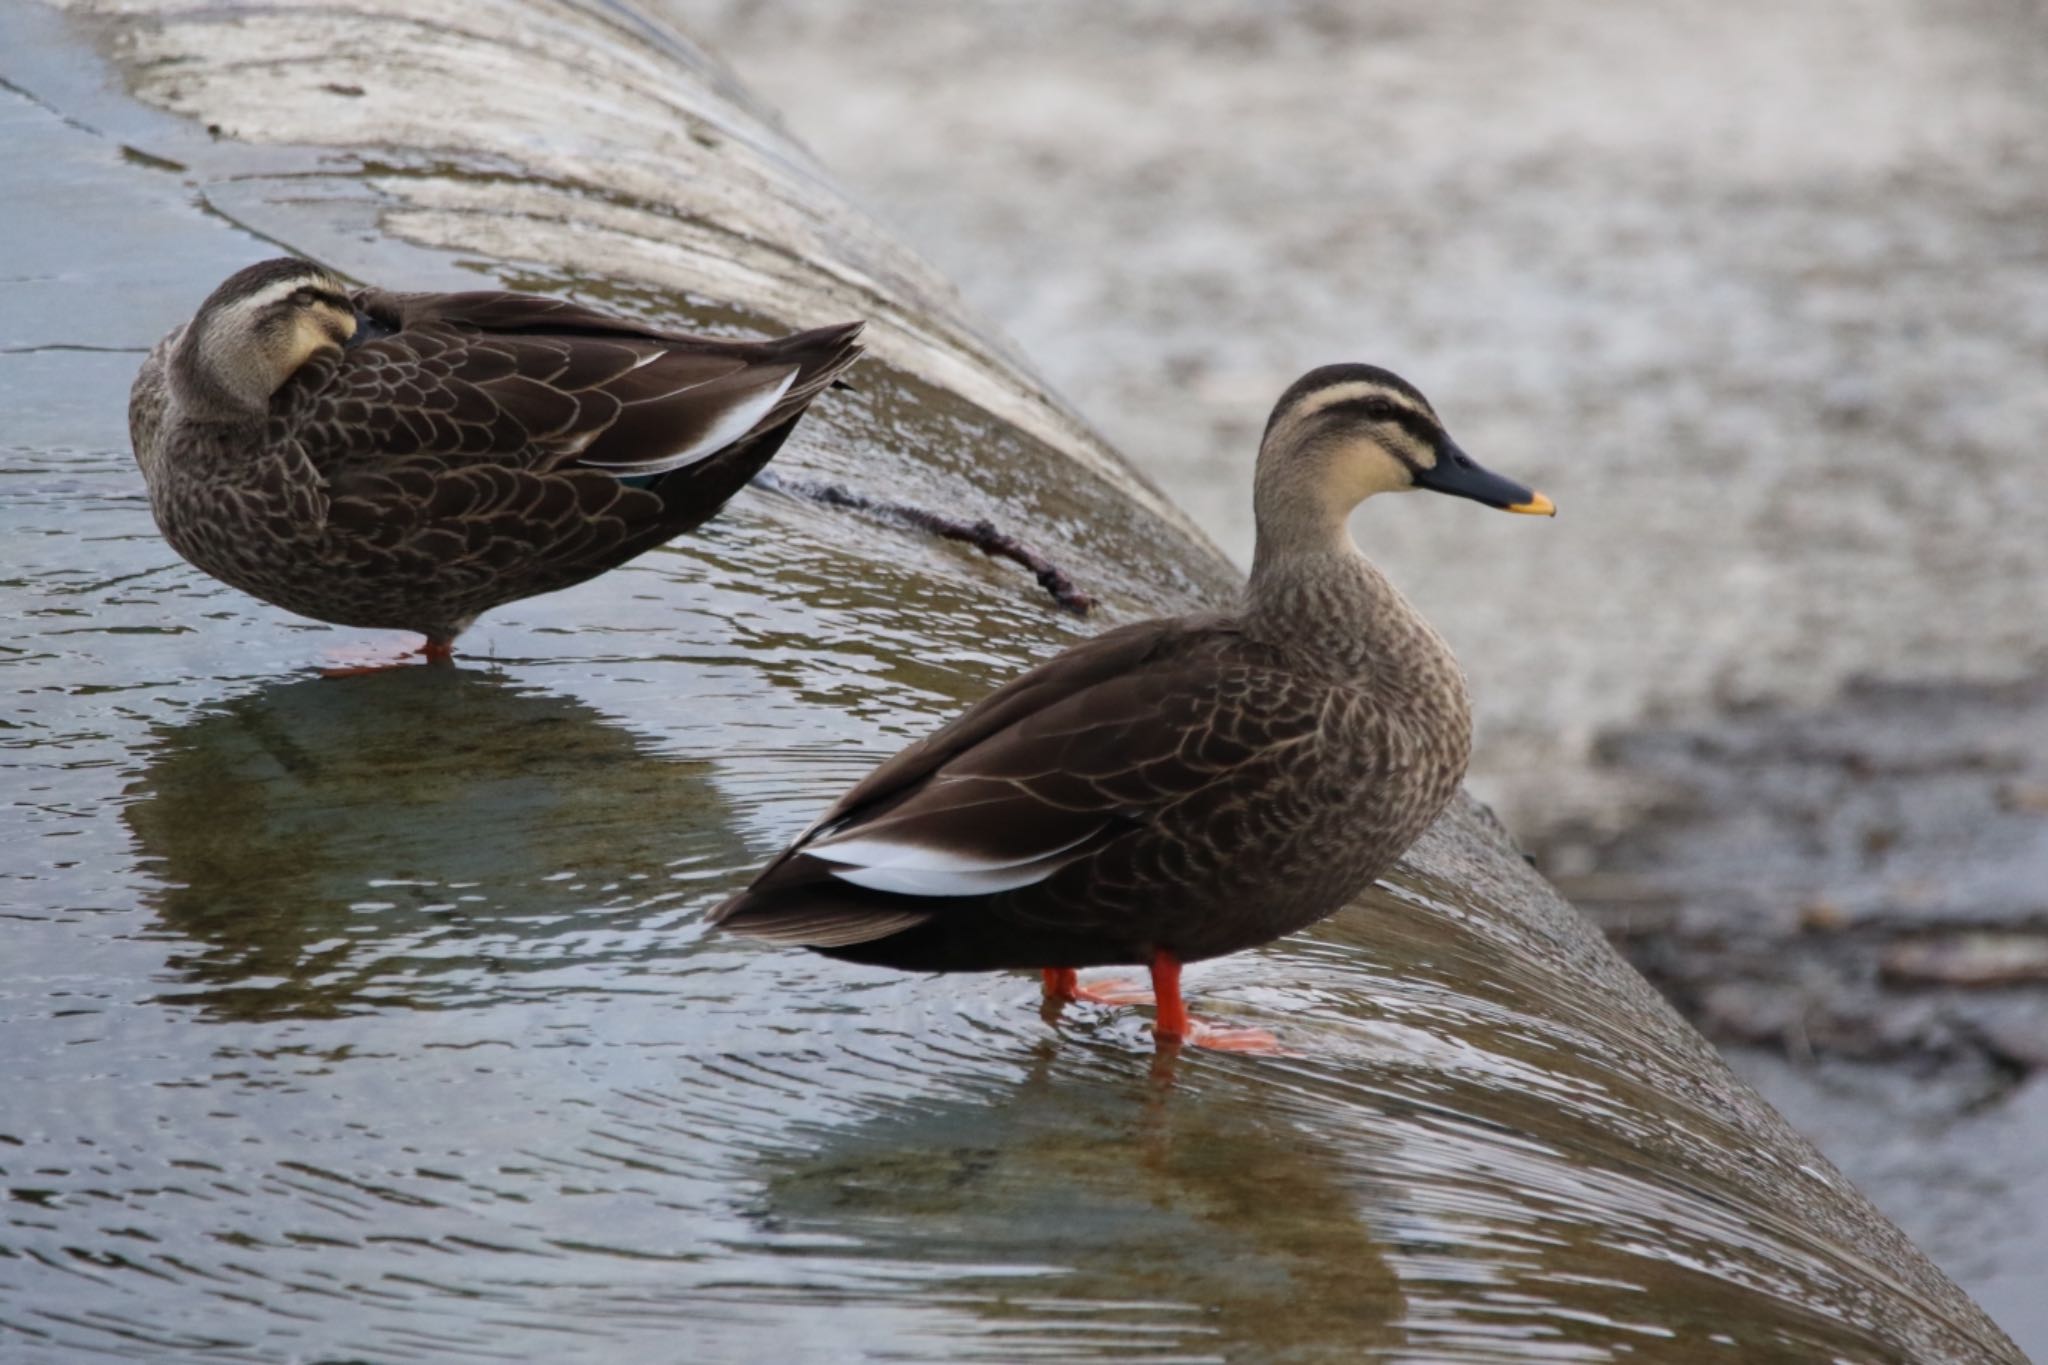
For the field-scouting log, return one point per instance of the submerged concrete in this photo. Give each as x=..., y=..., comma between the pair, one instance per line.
x=374, y=1018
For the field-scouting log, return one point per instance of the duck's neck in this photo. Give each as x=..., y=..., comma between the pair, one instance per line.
x=1312, y=594
x=1333, y=608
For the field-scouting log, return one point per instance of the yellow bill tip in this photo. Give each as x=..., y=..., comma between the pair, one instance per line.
x=1536, y=506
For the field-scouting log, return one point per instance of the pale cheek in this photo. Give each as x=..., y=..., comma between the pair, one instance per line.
x=1372, y=470
x=308, y=338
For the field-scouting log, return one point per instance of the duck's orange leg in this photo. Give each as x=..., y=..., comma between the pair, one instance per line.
x=1175, y=1026
x=1173, y=1011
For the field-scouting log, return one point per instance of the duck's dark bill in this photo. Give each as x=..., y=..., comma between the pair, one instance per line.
x=368, y=328
x=1461, y=476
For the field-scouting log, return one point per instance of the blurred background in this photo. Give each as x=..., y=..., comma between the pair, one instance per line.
x=1759, y=294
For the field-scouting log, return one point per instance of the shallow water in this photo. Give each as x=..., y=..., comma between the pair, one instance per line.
x=374, y=1018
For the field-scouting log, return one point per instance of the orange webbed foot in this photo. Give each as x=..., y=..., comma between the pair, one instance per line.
x=1228, y=1038
x=1116, y=991
x=1176, y=1026
x=353, y=661
x=1064, y=983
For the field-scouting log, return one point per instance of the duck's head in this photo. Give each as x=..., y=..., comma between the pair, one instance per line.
x=1345, y=432
x=254, y=332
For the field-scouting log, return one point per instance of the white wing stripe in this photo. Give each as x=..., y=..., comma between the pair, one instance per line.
x=880, y=854
x=735, y=422
x=911, y=881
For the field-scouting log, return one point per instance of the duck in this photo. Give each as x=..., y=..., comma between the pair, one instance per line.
x=411, y=460
x=1175, y=789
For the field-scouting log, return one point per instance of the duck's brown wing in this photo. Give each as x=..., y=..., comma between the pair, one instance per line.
x=1052, y=769
x=508, y=444
x=541, y=385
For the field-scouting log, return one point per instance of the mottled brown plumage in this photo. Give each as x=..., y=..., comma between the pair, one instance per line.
x=1176, y=789
x=412, y=460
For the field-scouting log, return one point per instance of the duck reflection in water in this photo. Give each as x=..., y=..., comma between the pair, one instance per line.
x=1073, y=1213
x=410, y=838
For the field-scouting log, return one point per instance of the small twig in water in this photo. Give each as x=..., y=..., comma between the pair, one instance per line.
x=982, y=535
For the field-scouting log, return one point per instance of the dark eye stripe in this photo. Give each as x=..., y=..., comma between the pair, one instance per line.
x=308, y=295
x=1376, y=409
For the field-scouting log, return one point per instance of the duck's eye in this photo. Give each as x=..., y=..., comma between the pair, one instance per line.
x=305, y=298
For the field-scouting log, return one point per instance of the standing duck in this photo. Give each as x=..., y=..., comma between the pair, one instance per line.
x=1175, y=789
x=410, y=461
